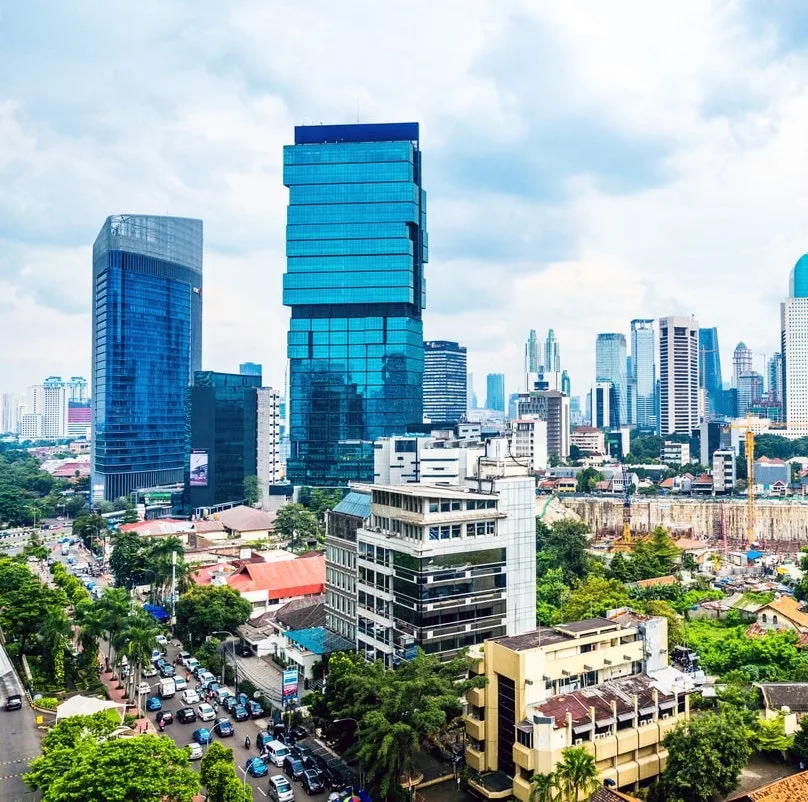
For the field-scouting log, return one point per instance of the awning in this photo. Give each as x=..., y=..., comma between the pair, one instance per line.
x=626, y=716
x=667, y=705
x=525, y=726
x=581, y=728
x=605, y=722
x=647, y=711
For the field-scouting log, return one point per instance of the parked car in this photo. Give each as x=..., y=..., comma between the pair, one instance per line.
x=300, y=752
x=149, y=671
x=153, y=703
x=211, y=685
x=184, y=657
x=143, y=688
x=202, y=735
x=180, y=684
x=221, y=693
x=256, y=767
x=254, y=709
x=14, y=701
x=156, y=655
x=240, y=713
x=224, y=728
x=192, y=664
x=280, y=789
x=293, y=768
x=190, y=696
x=298, y=733
x=206, y=712
x=205, y=677
x=262, y=739
x=229, y=703
x=186, y=715
x=312, y=782
x=166, y=716
x=194, y=751
x=162, y=640
x=198, y=669
x=245, y=650
x=167, y=670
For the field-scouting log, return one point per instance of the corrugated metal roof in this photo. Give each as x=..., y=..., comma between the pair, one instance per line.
x=356, y=504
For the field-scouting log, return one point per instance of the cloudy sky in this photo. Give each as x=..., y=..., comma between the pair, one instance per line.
x=586, y=163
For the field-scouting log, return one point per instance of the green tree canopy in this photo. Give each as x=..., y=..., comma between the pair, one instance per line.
x=207, y=608
x=297, y=525
x=251, y=490
x=563, y=544
x=593, y=597
x=575, y=774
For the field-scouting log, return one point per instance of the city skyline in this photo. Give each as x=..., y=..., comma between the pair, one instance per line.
x=578, y=226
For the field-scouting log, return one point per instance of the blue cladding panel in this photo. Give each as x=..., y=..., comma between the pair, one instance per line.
x=371, y=132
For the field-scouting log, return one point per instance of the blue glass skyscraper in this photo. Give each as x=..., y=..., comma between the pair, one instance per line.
x=610, y=365
x=643, y=372
x=356, y=245
x=710, y=370
x=147, y=344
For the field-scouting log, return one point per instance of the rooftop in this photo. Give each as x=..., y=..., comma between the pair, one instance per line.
x=789, y=789
x=793, y=695
x=300, y=577
x=789, y=607
x=245, y=519
x=319, y=640
x=543, y=636
x=425, y=490
x=355, y=503
x=655, y=581
x=588, y=625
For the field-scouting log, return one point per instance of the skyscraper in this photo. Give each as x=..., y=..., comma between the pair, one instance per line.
x=77, y=387
x=643, y=369
x=552, y=354
x=250, y=369
x=566, y=383
x=741, y=361
x=794, y=324
x=678, y=375
x=50, y=401
x=774, y=374
x=444, y=381
x=471, y=396
x=750, y=390
x=147, y=344
x=356, y=248
x=532, y=354
x=495, y=391
x=710, y=370
x=610, y=366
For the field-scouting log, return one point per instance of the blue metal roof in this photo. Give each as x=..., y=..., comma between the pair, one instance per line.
x=318, y=640
x=359, y=132
x=754, y=555
x=356, y=504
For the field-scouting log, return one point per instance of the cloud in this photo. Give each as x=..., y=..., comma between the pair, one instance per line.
x=586, y=163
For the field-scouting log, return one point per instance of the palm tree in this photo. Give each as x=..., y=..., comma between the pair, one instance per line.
x=91, y=628
x=576, y=773
x=543, y=788
x=386, y=750
x=141, y=632
x=54, y=637
x=114, y=605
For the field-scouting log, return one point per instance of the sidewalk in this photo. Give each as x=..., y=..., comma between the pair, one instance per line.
x=111, y=685
x=264, y=674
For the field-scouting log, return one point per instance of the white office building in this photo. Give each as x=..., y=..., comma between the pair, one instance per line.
x=794, y=326
x=430, y=460
x=268, y=458
x=678, y=375
x=50, y=400
x=528, y=442
x=723, y=471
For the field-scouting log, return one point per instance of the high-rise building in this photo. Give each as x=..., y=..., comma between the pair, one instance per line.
x=78, y=389
x=147, y=344
x=643, y=371
x=533, y=358
x=11, y=410
x=750, y=390
x=610, y=366
x=566, y=383
x=471, y=396
x=603, y=400
x=528, y=442
x=269, y=466
x=444, y=381
x=551, y=406
x=794, y=324
x=222, y=411
x=356, y=249
x=552, y=354
x=50, y=400
x=741, y=361
x=495, y=392
x=250, y=369
x=710, y=370
x=774, y=375
x=678, y=375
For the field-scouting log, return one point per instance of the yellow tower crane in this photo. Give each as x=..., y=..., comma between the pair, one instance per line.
x=749, y=449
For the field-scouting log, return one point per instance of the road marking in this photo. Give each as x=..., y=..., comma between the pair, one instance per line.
x=262, y=791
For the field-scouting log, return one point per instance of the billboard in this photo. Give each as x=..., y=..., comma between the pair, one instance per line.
x=289, y=687
x=199, y=469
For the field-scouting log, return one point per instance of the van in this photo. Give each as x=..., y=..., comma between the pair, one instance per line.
x=167, y=688
x=276, y=752
x=280, y=789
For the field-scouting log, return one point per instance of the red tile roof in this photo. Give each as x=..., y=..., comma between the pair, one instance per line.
x=657, y=580
x=301, y=577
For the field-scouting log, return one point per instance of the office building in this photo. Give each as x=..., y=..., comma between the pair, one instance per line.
x=675, y=454
x=223, y=418
x=678, y=375
x=250, y=369
x=533, y=357
x=440, y=458
x=79, y=419
x=50, y=400
x=528, y=442
x=723, y=471
x=566, y=383
x=445, y=391
x=146, y=347
x=356, y=249
x=774, y=374
x=602, y=684
x=794, y=324
x=603, y=406
x=495, y=392
x=552, y=354
x=643, y=372
x=269, y=465
x=78, y=390
x=741, y=362
x=588, y=440
x=32, y=426
x=551, y=406
x=471, y=396
x=12, y=407
x=444, y=568
x=610, y=366
x=750, y=390
x=710, y=371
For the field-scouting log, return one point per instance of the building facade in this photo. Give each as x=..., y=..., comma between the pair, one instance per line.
x=774, y=376
x=78, y=389
x=269, y=466
x=678, y=375
x=495, y=392
x=551, y=406
x=533, y=357
x=250, y=369
x=643, y=369
x=603, y=404
x=750, y=390
x=50, y=400
x=429, y=460
x=673, y=453
x=710, y=371
x=588, y=439
x=356, y=249
x=552, y=353
x=610, y=366
x=742, y=361
x=723, y=471
x=794, y=324
x=528, y=442
x=445, y=391
x=147, y=344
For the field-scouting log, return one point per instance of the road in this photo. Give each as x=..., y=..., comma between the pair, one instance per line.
x=19, y=738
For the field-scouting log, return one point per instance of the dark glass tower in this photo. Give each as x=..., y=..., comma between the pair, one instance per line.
x=710, y=370
x=444, y=381
x=495, y=391
x=356, y=245
x=147, y=343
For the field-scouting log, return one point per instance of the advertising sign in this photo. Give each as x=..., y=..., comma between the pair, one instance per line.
x=199, y=469
x=289, y=688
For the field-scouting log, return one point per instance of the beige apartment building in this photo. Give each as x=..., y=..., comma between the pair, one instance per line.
x=601, y=683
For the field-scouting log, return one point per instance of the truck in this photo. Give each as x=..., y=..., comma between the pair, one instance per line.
x=167, y=688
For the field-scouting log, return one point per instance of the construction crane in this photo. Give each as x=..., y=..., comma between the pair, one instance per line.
x=749, y=450
x=625, y=542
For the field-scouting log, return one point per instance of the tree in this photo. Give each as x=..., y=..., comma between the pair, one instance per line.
x=587, y=479
x=769, y=736
x=576, y=773
x=543, y=788
x=206, y=608
x=224, y=785
x=564, y=543
x=800, y=745
x=130, y=515
x=215, y=755
x=251, y=491
x=705, y=757
x=146, y=768
x=297, y=524
x=126, y=560
x=140, y=633
x=594, y=597
x=551, y=592
x=55, y=634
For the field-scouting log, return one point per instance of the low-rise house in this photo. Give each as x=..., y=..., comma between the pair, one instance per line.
x=654, y=582
x=784, y=613
x=246, y=522
x=788, y=789
x=273, y=584
x=781, y=696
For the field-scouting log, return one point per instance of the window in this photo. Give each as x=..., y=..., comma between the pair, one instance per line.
x=524, y=737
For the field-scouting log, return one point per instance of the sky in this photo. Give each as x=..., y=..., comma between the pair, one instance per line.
x=586, y=163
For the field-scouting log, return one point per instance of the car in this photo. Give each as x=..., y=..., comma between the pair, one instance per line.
x=149, y=671
x=202, y=735
x=298, y=733
x=192, y=664
x=245, y=650
x=180, y=683
x=229, y=703
x=293, y=768
x=212, y=685
x=158, y=659
x=162, y=640
x=254, y=709
x=329, y=773
x=205, y=677
x=199, y=669
x=240, y=713
x=312, y=782
x=280, y=789
x=221, y=693
x=14, y=701
x=195, y=751
x=167, y=670
x=184, y=657
x=166, y=716
x=190, y=696
x=156, y=654
x=153, y=703
x=262, y=739
x=206, y=712
x=300, y=752
x=186, y=715
x=143, y=688
x=224, y=728
x=256, y=767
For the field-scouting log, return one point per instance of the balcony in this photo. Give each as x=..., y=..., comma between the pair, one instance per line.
x=605, y=747
x=494, y=785
x=521, y=789
x=524, y=757
x=475, y=759
x=475, y=728
x=476, y=697
x=648, y=734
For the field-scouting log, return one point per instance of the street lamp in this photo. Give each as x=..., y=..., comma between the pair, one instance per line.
x=36, y=511
x=244, y=773
x=224, y=661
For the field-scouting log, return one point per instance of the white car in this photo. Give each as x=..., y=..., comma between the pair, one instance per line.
x=206, y=712
x=195, y=751
x=162, y=640
x=149, y=671
x=180, y=683
x=190, y=696
x=143, y=688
